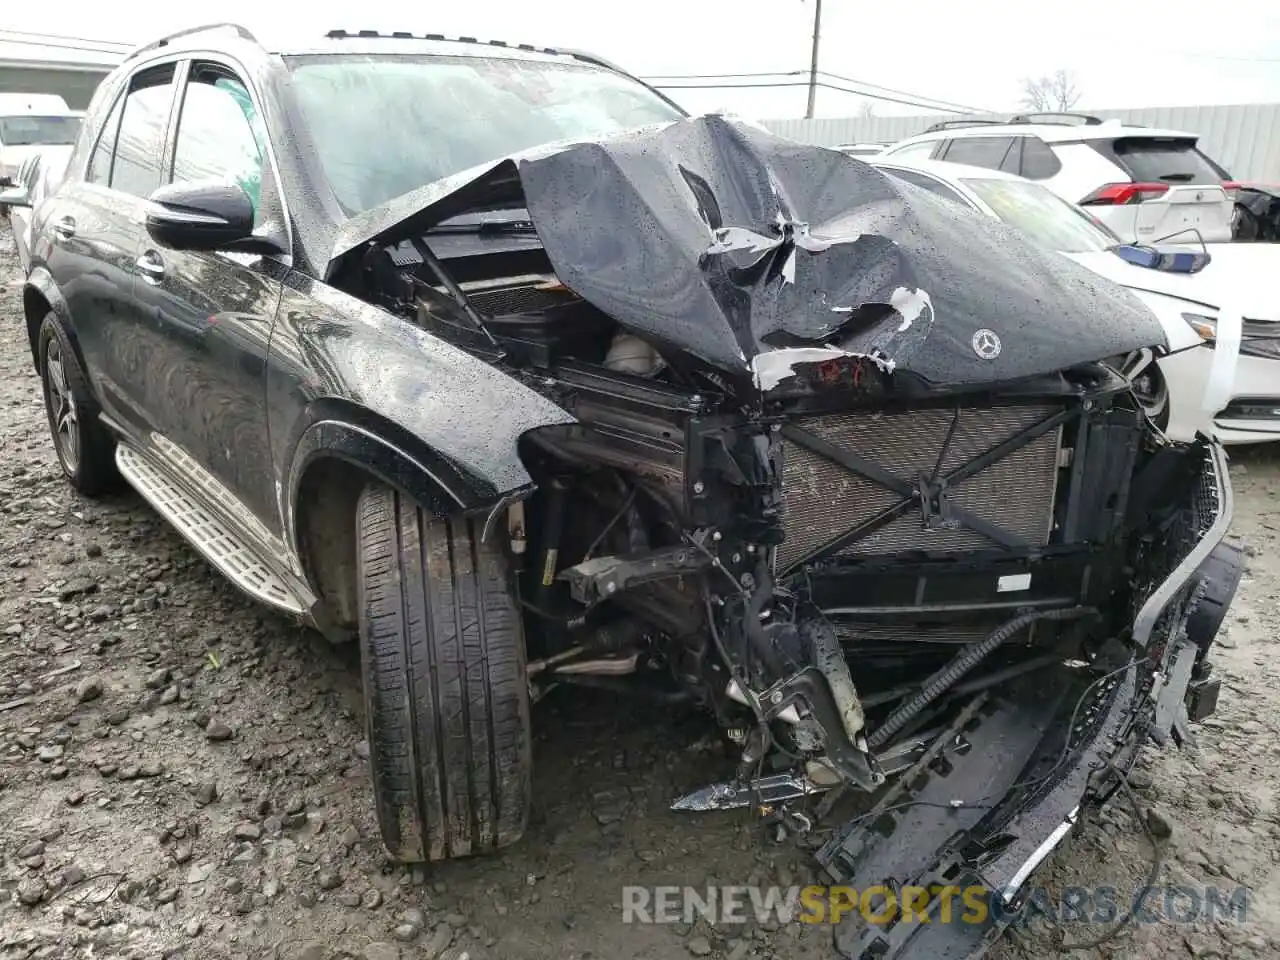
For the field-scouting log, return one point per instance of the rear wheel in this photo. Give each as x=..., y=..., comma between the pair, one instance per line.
x=446, y=697
x=85, y=448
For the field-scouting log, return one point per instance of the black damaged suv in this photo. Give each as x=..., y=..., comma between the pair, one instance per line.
x=491, y=359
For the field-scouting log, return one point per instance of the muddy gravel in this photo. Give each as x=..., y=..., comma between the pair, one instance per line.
x=183, y=773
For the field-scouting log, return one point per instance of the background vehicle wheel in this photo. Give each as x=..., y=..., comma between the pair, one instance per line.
x=1149, y=385
x=445, y=692
x=85, y=448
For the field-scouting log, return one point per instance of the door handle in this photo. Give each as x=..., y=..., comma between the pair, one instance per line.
x=65, y=228
x=150, y=267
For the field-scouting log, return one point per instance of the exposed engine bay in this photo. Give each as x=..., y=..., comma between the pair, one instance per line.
x=847, y=467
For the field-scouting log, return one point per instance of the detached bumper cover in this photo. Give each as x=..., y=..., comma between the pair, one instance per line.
x=1053, y=744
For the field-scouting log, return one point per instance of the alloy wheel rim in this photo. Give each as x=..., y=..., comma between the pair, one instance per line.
x=63, y=416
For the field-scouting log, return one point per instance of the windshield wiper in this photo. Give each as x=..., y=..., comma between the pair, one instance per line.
x=1177, y=177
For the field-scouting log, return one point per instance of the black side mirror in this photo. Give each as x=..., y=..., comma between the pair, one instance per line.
x=200, y=215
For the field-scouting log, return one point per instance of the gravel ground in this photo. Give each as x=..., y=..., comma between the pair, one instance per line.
x=183, y=773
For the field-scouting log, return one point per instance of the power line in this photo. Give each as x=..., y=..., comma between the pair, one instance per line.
x=724, y=76
x=805, y=83
x=61, y=46
x=1214, y=56
x=902, y=93
x=659, y=81
x=57, y=36
x=730, y=86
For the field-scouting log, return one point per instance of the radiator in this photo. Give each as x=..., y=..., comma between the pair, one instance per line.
x=822, y=499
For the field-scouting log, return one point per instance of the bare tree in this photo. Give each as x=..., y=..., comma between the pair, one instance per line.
x=868, y=110
x=1055, y=91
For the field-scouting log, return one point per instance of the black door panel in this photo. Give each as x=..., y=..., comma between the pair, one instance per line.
x=209, y=324
x=95, y=232
x=207, y=316
x=94, y=270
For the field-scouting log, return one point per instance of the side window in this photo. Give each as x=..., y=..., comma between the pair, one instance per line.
x=986, y=152
x=1039, y=162
x=928, y=183
x=1013, y=159
x=136, y=169
x=220, y=134
x=99, y=169
x=916, y=151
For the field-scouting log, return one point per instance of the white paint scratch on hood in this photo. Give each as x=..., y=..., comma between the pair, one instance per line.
x=910, y=303
x=770, y=369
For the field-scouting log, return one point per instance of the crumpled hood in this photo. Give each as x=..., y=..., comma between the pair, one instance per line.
x=717, y=238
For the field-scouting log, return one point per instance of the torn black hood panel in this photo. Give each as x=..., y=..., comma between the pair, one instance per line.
x=715, y=237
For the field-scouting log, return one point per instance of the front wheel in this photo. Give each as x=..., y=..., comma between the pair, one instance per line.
x=446, y=698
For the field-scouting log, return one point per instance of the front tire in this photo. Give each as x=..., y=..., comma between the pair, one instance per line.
x=446, y=698
x=84, y=447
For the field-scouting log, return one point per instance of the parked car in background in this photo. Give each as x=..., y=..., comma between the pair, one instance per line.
x=1257, y=215
x=862, y=149
x=492, y=360
x=1188, y=304
x=1146, y=185
x=29, y=123
x=38, y=174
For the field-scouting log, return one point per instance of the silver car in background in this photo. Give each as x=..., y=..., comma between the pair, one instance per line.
x=39, y=174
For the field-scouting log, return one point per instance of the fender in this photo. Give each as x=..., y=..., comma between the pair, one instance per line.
x=41, y=283
x=429, y=478
x=350, y=381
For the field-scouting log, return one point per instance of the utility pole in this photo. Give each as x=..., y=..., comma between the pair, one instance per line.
x=813, y=60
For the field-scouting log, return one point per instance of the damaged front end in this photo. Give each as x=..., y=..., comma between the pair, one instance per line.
x=847, y=466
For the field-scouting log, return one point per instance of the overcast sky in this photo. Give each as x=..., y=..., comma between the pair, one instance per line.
x=974, y=53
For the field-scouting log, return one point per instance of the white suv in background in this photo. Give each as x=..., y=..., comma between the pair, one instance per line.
x=1145, y=184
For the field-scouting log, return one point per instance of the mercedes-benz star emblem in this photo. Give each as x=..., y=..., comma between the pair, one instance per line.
x=986, y=344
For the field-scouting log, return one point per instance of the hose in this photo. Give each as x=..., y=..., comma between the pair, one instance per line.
x=964, y=661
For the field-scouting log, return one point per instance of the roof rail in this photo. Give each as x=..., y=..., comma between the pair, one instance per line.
x=957, y=124
x=406, y=35
x=166, y=40
x=1057, y=116
x=587, y=57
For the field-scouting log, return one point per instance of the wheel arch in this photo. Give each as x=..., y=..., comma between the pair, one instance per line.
x=41, y=296
x=336, y=456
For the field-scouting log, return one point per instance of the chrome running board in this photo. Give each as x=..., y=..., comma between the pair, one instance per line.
x=212, y=537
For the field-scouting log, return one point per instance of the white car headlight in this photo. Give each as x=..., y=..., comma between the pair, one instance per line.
x=1205, y=327
x=1258, y=338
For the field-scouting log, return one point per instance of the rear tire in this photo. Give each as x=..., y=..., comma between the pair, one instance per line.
x=446, y=698
x=84, y=447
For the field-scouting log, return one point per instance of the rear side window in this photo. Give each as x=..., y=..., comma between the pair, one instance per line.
x=927, y=183
x=918, y=151
x=1165, y=159
x=136, y=168
x=1013, y=159
x=1039, y=162
x=99, y=169
x=986, y=152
